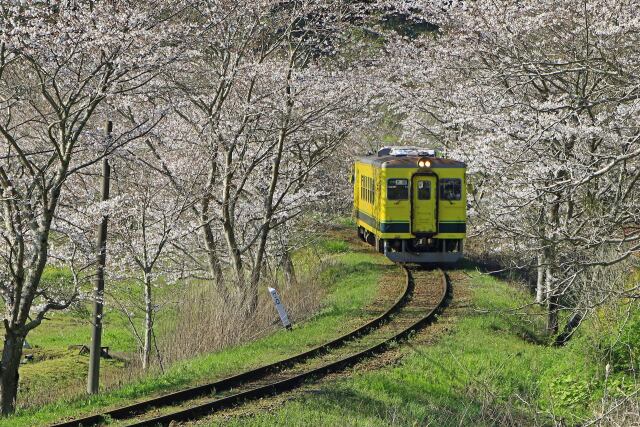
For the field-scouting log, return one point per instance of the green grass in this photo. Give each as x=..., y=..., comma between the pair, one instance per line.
x=58, y=369
x=64, y=329
x=334, y=246
x=481, y=373
x=55, y=367
x=351, y=282
x=73, y=327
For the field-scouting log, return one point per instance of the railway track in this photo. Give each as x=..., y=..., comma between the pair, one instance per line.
x=416, y=307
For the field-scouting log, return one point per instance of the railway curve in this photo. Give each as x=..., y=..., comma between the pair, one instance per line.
x=228, y=383
x=416, y=307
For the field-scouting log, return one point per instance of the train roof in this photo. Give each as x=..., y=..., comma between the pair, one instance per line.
x=409, y=161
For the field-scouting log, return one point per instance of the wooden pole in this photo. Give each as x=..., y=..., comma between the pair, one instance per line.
x=93, y=381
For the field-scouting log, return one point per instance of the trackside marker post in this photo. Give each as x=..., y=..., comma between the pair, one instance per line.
x=281, y=311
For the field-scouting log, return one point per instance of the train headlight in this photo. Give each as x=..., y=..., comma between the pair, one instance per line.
x=424, y=163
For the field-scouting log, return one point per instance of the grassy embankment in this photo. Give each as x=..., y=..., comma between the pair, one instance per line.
x=57, y=368
x=350, y=276
x=487, y=369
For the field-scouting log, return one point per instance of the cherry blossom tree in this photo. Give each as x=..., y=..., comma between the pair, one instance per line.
x=259, y=111
x=541, y=99
x=147, y=220
x=58, y=65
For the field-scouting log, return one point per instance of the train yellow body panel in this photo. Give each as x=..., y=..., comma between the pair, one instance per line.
x=411, y=204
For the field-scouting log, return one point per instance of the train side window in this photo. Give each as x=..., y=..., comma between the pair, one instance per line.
x=367, y=192
x=373, y=192
x=366, y=188
x=424, y=190
x=397, y=189
x=450, y=189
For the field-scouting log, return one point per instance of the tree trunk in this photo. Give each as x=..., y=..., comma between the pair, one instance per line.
x=288, y=269
x=552, y=303
x=268, y=202
x=550, y=255
x=212, y=256
x=227, y=222
x=256, y=273
x=234, y=253
x=540, y=279
x=569, y=328
x=148, y=322
x=552, y=320
x=11, y=355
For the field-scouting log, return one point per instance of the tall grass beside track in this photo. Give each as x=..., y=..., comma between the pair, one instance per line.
x=349, y=279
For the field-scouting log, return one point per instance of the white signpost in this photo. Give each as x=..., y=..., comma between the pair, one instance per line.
x=281, y=311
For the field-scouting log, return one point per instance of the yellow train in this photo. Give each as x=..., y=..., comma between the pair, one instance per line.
x=410, y=203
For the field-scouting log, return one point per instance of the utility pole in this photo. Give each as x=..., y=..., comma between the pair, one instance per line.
x=93, y=381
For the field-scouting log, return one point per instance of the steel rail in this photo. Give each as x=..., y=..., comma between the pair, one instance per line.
x=228, y=383
x=287, y=384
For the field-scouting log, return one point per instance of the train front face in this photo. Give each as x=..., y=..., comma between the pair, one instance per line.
x=418, y=211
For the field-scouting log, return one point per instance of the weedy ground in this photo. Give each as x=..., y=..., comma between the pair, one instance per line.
x=349, y=277
x=484, y=362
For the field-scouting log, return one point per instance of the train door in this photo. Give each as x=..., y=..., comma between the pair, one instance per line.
x=376, y=192
x=423, y=204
